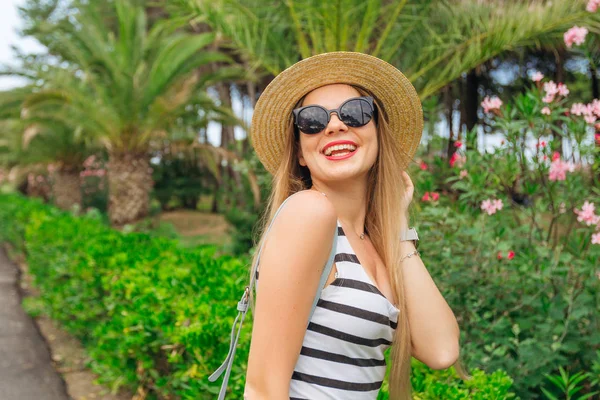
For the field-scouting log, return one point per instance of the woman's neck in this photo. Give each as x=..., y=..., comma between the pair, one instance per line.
x=350, y=203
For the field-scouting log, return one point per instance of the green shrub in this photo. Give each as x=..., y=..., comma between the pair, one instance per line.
x=155, y=315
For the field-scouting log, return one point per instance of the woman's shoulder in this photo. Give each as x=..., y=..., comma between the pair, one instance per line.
x=310, y=204
x=306, y=212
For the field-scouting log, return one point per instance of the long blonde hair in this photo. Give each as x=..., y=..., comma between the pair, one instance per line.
x=383, y=220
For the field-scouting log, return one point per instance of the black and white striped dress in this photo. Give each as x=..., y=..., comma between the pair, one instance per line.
x=342, y=356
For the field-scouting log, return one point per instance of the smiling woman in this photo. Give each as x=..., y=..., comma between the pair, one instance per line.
x=337, y=131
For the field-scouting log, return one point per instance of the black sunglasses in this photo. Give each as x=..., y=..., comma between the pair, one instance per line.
x=353, y=112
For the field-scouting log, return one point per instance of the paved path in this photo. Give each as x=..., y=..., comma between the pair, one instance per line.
x=26, y=371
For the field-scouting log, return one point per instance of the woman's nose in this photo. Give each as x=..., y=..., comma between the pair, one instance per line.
x=335, y=124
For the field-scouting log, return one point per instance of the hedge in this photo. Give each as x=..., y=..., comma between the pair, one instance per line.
x=155, y=315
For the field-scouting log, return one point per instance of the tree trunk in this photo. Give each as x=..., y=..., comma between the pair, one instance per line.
x=251, y=87
x=129, y=185
x=448, y=103
x=471, y=104
x=595, y=92
x=559, y=77
x=67, y=188
x=228, y=143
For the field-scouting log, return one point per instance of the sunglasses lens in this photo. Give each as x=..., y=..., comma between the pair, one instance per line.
x=312, y=120
x=356, y=113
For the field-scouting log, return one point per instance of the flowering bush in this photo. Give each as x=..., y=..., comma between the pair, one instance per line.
x=517, y=232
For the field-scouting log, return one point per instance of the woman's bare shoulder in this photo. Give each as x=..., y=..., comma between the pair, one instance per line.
x=308, y=206
x=307, y=219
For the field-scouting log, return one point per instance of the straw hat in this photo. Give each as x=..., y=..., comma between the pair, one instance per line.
x=273, y=110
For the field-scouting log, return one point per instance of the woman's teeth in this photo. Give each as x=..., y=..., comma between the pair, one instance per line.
x=347, y=148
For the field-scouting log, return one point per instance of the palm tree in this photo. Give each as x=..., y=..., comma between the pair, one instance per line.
x=433, y=42
x=131, y=84
x=31, y=140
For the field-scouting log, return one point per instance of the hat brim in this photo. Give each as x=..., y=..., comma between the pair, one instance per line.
x=273, y=110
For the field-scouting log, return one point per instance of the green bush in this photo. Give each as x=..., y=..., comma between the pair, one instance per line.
x=155, y=315
x=148, y=312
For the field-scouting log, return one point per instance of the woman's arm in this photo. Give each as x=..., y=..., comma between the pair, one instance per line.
x=433, y=327
x=292, y=261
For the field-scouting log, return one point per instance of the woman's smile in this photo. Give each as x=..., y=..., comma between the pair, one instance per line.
x=342, y=154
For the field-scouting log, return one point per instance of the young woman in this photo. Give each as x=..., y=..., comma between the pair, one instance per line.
x=337, y=131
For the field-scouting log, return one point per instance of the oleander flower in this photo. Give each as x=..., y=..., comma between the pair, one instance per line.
x=563, y=90
x=576, y=35
x=490, y=104
x=592, y=5
x=548, y=98
x=586, y=214
x=559, y=168
x=511, y=255
x=537, y=76
x=546, y=111
x=596, y=240
x=550, y=88
x=590, y=118
x=578, y=109
x=491, y=206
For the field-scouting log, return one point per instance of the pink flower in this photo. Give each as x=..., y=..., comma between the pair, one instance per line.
x=596, y=240
x=499, y=256
x=423, y=166
x=595, y=105
x=458, y=144
x=562, y=90
x=586, y=214
x=578, y=109
x=511, y=255
x=463, y=173
x=555, y=156
x=453, y=159
x=597, y=137
x=590, y=118
x=498, y=204
x=575, y=35
x=537, y=76
x=491, y=206
x=490, y=104
x=592, y=5
x=548, y=98
x=430, y=196
x=550, y=88
x=546, y=110
x=559, y=168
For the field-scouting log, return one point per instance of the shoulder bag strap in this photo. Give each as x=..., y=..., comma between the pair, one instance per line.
x=243, y=309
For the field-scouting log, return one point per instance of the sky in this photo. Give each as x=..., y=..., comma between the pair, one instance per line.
x=9, y=23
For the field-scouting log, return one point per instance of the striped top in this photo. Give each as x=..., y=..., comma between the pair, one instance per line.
x=342, y=355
